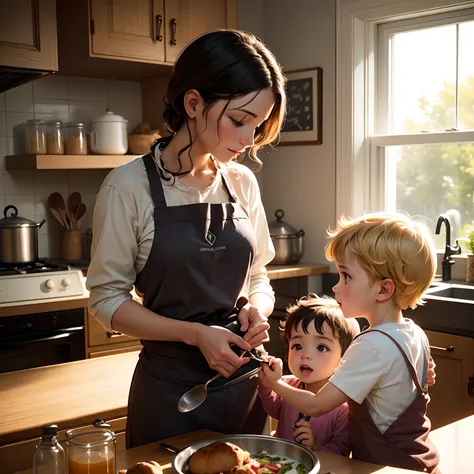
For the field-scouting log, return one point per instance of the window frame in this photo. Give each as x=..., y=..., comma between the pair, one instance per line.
x=359, y=167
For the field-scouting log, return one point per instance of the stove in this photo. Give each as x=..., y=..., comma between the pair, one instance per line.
x=39, y=281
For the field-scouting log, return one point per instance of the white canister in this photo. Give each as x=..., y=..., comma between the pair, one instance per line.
x=109, y=135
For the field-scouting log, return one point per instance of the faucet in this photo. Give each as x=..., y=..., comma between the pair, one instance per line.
x=447, y=260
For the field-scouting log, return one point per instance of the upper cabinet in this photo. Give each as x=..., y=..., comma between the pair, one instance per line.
x=28, y=37
x=132, y=39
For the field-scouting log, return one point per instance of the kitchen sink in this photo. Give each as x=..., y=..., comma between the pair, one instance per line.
x=449, y=308
x=456, y=292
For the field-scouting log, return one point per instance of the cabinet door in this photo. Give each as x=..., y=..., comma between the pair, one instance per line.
x=28, y=36
x=450, y=398
x=187, y=19
x=131, y=29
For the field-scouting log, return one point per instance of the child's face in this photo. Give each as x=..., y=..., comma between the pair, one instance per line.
x=313, y=357
x=353, y=291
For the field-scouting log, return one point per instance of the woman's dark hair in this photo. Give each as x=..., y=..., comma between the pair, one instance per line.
x=319, y=310
x=224, y=65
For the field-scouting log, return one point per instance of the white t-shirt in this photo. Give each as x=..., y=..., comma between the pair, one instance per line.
x=373, y=369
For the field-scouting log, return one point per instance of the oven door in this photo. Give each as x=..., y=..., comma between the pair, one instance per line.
x=42, y=339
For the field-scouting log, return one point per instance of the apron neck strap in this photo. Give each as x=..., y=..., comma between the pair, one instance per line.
x=156, y=187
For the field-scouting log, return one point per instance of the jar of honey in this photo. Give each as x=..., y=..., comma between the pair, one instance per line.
x=90, y=451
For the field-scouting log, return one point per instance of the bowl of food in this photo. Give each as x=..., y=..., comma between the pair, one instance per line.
x=246, y=454
x=142, y=137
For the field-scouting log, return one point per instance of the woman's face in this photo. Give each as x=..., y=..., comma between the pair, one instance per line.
x=234, y=133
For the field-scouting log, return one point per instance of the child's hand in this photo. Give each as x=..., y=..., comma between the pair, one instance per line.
x=431, y=376
x=303, y=433
x=269, y=375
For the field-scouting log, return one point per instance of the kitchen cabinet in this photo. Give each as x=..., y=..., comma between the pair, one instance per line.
x=452, y=396
x=28, y=37
x=133, y=40
x=101, y=342
x=19, y=456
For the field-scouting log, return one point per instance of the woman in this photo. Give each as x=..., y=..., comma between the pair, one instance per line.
x=186, y=226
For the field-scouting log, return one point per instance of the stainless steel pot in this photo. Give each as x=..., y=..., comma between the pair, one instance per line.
x=288, y=241
x=18, y=238
x=254, y=444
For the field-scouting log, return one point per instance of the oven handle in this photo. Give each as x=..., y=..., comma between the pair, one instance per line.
x=56, y=335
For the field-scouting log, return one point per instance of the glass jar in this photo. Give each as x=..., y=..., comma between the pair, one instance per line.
x=54, y=137
x=90, y=451
x=35, y=137
x=76, y=139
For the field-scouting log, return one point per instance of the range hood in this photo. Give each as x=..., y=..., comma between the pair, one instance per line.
x=11, y=77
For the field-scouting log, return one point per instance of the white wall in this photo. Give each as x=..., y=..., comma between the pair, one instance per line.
x=66, y=99
x=301, y=180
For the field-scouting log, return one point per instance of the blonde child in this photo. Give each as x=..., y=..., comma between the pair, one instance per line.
x=385, y=263
x=317, y=336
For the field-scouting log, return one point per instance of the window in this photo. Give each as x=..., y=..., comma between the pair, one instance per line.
x=422, y=148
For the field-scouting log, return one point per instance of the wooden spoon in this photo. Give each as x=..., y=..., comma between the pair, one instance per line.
x=54, y=211
x=81, y=210
x=60, y=205
x=73, y=203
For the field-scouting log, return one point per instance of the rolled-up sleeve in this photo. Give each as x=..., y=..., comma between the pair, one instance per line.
x=111, y=273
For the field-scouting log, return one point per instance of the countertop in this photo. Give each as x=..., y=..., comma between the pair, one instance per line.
x=275, y=272
x=67, y=394
x=452, y=440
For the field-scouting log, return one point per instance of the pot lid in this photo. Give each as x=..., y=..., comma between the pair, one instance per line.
x=109, y=117
x=14, y=220
x=280, y=227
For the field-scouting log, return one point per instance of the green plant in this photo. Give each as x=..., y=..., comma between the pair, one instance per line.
x=470, y=244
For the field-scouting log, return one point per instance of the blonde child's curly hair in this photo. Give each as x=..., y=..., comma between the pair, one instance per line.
x=390, y=246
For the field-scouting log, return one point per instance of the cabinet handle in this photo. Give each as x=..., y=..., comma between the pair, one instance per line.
x=158, y=23
x=114, y=334
x=470, y=387
x=100, y=423
x=174, y=27
x=446, y=349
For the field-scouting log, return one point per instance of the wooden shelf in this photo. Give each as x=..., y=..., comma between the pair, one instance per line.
x=66, y=162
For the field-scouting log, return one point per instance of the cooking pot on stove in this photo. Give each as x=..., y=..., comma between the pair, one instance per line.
x=288, y=241
x=18, y=238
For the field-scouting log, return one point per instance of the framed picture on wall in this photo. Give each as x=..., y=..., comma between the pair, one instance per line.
x=303, y=124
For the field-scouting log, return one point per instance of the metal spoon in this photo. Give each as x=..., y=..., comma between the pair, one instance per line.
x=195, y=397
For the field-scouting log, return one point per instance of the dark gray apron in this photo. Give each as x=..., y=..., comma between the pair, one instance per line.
x=199, y=262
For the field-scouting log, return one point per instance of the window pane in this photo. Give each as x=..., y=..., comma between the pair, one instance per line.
x=466, y=75
x=433, y=179
x=422, y=80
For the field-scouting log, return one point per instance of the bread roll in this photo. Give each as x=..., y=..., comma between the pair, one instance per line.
x=145, y=467
x=217, y=457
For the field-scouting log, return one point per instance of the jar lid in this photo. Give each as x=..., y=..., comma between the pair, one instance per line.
x=110, y=117
x=14, y=220
x=75, y=124
x=54, y=122
x=35, y=122
x=281, y=228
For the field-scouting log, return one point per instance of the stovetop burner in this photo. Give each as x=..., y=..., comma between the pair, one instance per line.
x=40, y=266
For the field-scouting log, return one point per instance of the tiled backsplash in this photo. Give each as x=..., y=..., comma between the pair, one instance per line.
x=67, y=99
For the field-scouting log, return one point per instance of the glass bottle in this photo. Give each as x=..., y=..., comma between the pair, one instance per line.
x=49, y=457
x=54, y=137
x=91, y=451
x=76, y=139
x=35, y=137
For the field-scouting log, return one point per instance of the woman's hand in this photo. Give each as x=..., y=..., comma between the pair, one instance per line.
x=269, y=374
x=303, y=433
x=214, y=343
x=255, y=325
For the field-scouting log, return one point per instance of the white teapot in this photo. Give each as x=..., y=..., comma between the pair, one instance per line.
x=109, y=135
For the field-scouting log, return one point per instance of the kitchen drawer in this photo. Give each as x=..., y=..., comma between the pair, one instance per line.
x=19, y=456
x=98, y=336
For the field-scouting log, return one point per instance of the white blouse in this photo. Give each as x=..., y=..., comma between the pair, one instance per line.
x=124, y=229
